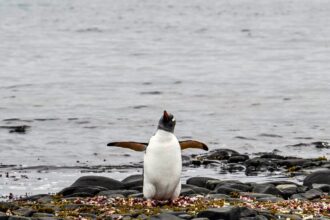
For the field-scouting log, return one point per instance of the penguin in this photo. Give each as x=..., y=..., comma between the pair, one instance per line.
x=162, y=164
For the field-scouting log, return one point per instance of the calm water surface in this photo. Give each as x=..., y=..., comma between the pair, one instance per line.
x=250, y=75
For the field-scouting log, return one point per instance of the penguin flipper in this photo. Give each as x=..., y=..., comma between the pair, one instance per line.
x=193, y=144
x=130, y=145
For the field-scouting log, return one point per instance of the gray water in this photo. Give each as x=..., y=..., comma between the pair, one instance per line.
x=250, y=75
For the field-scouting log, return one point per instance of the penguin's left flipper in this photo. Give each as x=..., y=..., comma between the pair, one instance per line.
x=193, y=144
x=130, y=145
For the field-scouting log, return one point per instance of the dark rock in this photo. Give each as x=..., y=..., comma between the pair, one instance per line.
x=266, y=189
x=257, y=217
x=322, y=177
x=101, y=181
x=247, y=212
x=312, y=194
x=165, y=216
x=288, y=216
x=272, y=156
x=228, y=213
x=133, y=181
x=322, y=187
x=287, y=190
x=185, y=216
x=259, y=196
x=18, y=218
x=234, y=167
x=81, y=191
x=88, y=215
x=196, y=189
x=292, y=162
x=27, y=212
x=116, y=192
x=212, y=184
x=41, y=214
x=4, y=206
x=186, y=160
x=187, y=192
x=281, y=182
x=217, y=196
x=238, y=158
x=258, y=163
x=240, y=186
x=321, y=144
x=199, y=181
x=34, y=197
x=221, y=154
x=298, y=196
x=200, y=219
x=226, y=190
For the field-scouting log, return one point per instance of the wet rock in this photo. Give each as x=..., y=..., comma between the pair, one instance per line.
x=257, y=217
x=272, y=156
x=218, y=196
x=322, y=187
x=221, y=154
x=16, y=129
x=212, y=184
x=196, y=189
x=186, y=160
x=185, y=216
x=288, y=216
x=258, y=163
x=266, y=189
x=18, y=218
x=234, y=167
x=322, y=177
x=238, y=158
x=133, y=181
x=187, y=192
x=88, y=215
x=312, y=194
x=125, y=193
x=260, y=196
x=199, y=181
x=228, y=213
x=99, y=181
x=321, y=144
x=27, y=212
x=200, y=219
x=240, y=186
x=226, y=190
x=34, y=197
x=165, y=216
x=81, y=191
x=4, y=206
x=41, y=214
x=287, y=190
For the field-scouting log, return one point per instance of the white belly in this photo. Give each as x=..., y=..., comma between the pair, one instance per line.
x=162, y=167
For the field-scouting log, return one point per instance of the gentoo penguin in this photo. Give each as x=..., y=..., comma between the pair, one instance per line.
x=162, y=160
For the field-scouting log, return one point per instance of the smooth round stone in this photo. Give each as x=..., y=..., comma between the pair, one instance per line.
x=199, y=181
x=322, y=177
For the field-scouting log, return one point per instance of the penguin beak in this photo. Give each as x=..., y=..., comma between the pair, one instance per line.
x=166, y=116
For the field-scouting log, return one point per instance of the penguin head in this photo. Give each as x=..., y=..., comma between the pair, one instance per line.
x=167, y=122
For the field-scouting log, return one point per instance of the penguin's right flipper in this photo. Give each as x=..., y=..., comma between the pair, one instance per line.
x=130, y=145
x=193, y=144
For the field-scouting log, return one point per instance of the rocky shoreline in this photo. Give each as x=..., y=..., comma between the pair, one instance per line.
x=97, y=197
